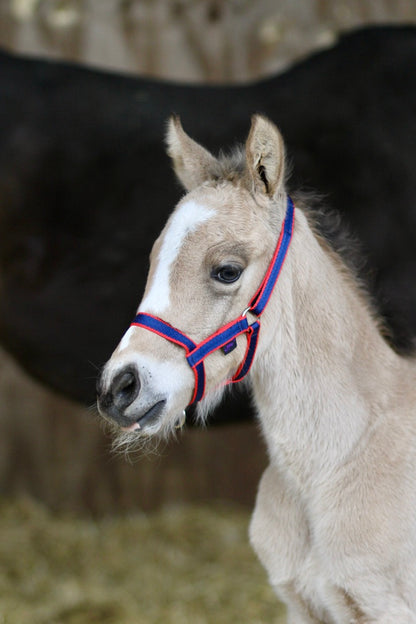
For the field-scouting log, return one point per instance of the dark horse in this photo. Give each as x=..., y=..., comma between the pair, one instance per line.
x=85, y=185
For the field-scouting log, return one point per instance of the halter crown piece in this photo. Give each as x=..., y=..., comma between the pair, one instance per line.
x=225, y=337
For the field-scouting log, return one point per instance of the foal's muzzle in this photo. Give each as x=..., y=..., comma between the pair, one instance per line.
x=122, y=391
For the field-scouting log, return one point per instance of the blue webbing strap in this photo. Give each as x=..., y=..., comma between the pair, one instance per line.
x=164, y=329
x=217, y=340
x=252, y=339
x=260, y=299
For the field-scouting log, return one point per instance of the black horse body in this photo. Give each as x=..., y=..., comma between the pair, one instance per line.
x=85, y=186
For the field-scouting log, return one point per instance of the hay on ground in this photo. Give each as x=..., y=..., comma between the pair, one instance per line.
x=182, y=565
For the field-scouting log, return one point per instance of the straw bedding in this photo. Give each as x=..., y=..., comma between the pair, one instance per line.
x=187, y=565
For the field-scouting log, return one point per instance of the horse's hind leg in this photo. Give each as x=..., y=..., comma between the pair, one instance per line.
x=278, y=534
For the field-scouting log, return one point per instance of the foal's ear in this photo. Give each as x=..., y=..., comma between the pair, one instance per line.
x=265, y=156
x=193, y=164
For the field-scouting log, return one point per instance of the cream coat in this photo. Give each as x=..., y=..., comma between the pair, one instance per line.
x=335, y=518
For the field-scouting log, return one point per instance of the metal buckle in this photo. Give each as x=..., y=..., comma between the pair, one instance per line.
x=246, y=311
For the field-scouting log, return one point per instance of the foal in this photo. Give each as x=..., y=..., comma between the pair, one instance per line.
x=239, y=280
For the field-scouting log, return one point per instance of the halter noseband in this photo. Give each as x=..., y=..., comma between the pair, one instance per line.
x=225, y=337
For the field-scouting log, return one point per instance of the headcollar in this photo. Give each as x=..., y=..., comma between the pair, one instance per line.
x=225, y=337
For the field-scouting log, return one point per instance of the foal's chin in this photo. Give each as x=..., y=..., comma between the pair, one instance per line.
x=150, y=439
x=147, y=440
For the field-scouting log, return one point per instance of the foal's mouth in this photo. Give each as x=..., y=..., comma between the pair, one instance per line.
x=147, y=418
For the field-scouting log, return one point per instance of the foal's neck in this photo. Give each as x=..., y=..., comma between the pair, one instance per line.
x=323, y=378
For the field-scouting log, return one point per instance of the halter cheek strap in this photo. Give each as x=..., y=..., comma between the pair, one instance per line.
x=225, y=337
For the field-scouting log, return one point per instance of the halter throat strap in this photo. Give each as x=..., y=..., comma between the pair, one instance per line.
x=225, y=337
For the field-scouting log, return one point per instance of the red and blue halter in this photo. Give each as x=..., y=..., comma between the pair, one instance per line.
x=225, y=337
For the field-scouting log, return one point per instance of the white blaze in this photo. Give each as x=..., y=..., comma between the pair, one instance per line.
x=185, y=220
x=125, y=341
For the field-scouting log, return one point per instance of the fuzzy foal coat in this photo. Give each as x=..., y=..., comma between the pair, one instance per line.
x=335, y=518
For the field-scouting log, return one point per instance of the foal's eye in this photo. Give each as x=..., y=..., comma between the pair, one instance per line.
x=227, y=274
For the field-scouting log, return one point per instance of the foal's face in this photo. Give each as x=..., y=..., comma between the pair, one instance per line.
x=205, y=267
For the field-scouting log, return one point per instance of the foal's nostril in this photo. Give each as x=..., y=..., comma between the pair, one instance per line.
x=125, y=388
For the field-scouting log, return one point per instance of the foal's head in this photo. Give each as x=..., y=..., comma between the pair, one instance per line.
x=205, y=267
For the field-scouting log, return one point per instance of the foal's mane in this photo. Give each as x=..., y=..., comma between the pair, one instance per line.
x=231, y=165
x=335, y=237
